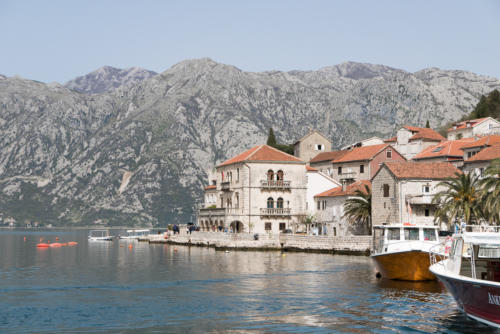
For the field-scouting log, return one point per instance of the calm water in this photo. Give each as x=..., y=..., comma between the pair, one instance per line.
x=109, y=287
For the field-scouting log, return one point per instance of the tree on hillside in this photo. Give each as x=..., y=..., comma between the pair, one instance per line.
x=427, y=125
x=460, y=199
x=271, y=139
x=488, y=106
x=358, y=210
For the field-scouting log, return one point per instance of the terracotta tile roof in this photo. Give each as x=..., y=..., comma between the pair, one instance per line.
x=424, y=133
x=483, y=141
x=262, y=153
x=422, y=170
x=210, y=187
x=463, y=125
x=448, y=148
x=361, y=153
x=487, y=154
x=391, y=140
x=328, y=156
x=350, y=190
x=311, y=169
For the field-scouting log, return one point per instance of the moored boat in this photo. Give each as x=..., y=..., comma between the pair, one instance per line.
x=402, y=251
x=134, y=234
x=100, y=235
x=471, y=273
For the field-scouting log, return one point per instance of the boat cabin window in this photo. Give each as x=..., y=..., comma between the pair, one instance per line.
x=429, y=234
x=393, y=234
x=411, y=233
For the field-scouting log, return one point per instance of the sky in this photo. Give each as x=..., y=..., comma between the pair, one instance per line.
x=58, y=40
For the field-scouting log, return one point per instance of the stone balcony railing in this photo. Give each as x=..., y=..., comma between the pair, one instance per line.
x=212, y=212
x=347, y=175
x=420, y=199
x=275, y=184
x=225, y=186
x=274, y=212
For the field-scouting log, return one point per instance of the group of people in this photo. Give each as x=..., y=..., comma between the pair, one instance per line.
x=189, y=229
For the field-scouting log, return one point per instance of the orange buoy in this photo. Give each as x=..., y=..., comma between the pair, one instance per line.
x=24, y=238
x=130, y=246
x=42, y=245
x=72, y=243
x=57, y=238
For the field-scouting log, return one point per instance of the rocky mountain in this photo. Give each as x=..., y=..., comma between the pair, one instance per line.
x=108, y=78
x=138, y=154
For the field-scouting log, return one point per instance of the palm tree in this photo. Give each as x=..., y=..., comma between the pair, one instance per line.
x=460, y=199
x=491, y=192
x=358, y=209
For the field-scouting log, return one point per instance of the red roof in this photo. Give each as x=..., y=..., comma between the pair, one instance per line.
x=361, y=153
x=311, y=169
x=390, y=140
x=483, y=141
x=262, y=153
x=448, y=148
x=210, y=187
x=424, y=133
x=422, y=170
x=350, y=190
x=328, y=156
x=487, y=154
x=463, y=125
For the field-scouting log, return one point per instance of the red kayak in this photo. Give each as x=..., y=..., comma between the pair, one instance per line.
x=43, y=245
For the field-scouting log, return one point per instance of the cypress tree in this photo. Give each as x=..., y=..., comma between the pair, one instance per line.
x=271, y=139
x=427, y=125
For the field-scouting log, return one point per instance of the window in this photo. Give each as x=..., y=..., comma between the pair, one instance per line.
x=411, y=233
x=481, y=172
x=324, y=205
x=279, y=175
x=361, y=169
x=279, y=203
x=429, y=234
x=340, y=170
x=329, y=172
x=319, y=147
x=389, y=154
x=268, y=226
x=270, y=203
x=427, y=213
x=237, y=200
x=237, y=175
x=334, y=231
x=426, y=189
x=386, y=190
x=393, y=234
x=319, y=205
x=282, y=226
x=270, y=175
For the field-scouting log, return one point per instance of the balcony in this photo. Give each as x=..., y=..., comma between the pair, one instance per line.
x=212, y=212
x=275, y=212
x=420, y=199
x=225, y=186
x=348, y=175
x=275, y=184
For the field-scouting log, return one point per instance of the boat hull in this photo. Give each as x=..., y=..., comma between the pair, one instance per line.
x=480, y=301
x=407, y=265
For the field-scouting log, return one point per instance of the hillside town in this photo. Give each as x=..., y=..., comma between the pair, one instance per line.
x=264, y=190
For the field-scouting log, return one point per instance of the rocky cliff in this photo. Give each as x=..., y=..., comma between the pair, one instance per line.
x=138, y=153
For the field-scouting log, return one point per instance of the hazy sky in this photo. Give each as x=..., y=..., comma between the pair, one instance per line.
x=58, y=40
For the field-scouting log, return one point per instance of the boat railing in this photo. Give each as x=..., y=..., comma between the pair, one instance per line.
x=479, y=228
x=439, y=252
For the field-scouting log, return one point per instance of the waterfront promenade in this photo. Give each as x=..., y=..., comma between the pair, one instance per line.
x=356, y=245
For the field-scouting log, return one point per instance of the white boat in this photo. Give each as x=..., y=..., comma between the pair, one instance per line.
x=471, y=273
x=402, y=251
x=100, y=235
x=135, y=234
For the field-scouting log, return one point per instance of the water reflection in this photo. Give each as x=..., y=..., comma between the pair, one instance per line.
x=129, y=286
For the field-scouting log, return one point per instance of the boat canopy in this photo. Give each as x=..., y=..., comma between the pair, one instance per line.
x=481, y=238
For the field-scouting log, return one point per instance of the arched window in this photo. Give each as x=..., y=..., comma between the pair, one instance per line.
x=270, y=203
x=279, y=203
x=270, y=175
x=279, y=175
x=237, y=200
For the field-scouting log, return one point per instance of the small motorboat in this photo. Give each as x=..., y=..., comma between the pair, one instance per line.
x=100, y=235
x=401, y=251
x=134, y=234
x=471, y=273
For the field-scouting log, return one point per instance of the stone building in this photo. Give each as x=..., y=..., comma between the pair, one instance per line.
x=482, y=159
x=365, y=142
x=402, y=192
x=329, y=210
x=361, y=163
x=474, y=127
x=260, y=190
x=411, y=140
x=323, y=161
x=311, y=144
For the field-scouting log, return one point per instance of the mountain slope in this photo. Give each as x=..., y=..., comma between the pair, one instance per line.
x=139, y=153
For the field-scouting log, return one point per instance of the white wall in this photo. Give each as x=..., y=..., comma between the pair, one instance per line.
x=316, y=184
